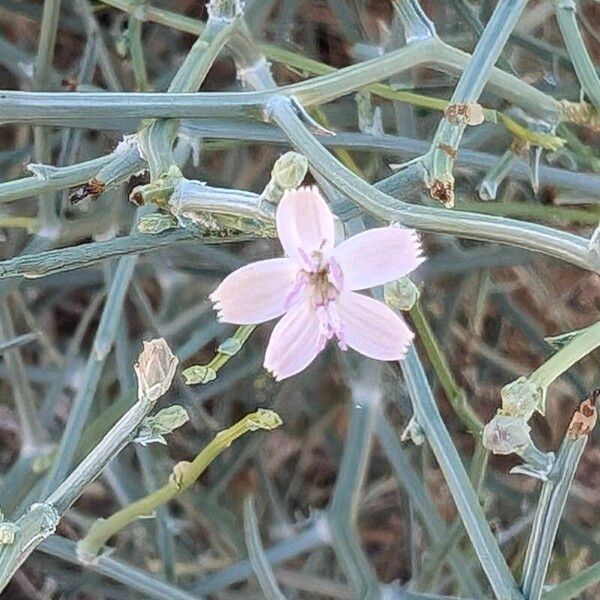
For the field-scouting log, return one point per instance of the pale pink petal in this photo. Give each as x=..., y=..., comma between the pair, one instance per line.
x=294, y=343
x=377, y=256
x=304, y=224
x=255, y=293
x=373, y=329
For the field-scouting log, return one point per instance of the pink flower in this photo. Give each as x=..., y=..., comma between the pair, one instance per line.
x=314, y=287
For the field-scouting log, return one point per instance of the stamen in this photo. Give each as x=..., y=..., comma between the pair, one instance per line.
x=335, y=275
x=309, y=263
x=336, y=324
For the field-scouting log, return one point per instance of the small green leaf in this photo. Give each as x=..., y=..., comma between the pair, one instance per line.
x=199, y=374
x=230, y=346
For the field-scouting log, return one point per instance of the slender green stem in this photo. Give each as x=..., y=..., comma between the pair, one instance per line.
x=136, y=50
x=41, y=81
x=59, y=260
x=42, y=518
x=456, y=532
x=14, y=222
x=33, y=434
x=343, y=509
x=566, y=11
x=467, y=503
x=439, y=162
x=184, y=475
x=116, y=570
x=563, y=245
x=260, y=563
x=229, y=348
x=584, y=343
x=455, y=394
x=426, y=509
x=104, y=339
x=573, y=587
x=159, y=137
x=549, y=511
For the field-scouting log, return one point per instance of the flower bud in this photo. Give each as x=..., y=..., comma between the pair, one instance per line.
x=290, y=170
x=288, y=173
x=401, y=294
x=522, y=398
x=8, y=531
x=155, y=370
x=506, y=434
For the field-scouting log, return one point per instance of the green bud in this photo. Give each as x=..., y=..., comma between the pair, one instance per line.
x=42, y=463
x=199, y=374
x=290, y=170
x=263, y=418
x=288, y=173
x=179, y=472
x=401, y=294
x=8, y=531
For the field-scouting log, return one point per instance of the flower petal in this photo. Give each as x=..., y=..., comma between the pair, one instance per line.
x=373, y=329
x=255, y=293
x=304, y=223
x=377, y=256
x=294, y=343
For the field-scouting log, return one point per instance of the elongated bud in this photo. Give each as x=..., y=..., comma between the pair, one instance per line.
x=401, y=294
x=155, y=370
x=506, y=434
x=288, y=173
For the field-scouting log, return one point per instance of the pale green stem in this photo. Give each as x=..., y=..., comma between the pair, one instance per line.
x=447, y=58
x=584, y=343
x=256, y=553
x=550, y=507
x=184, y=475
x=136, y=50
x=42, y=519
x=455, y=394
x=573, y=587
x=42, y=76
x=439, y=162
x=566, y=11
x=33, y=434
x=158, y=138
x=467, y=503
